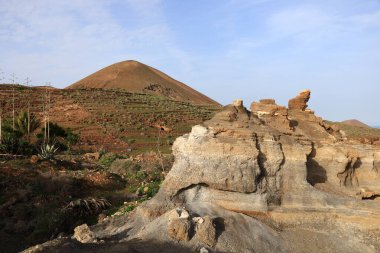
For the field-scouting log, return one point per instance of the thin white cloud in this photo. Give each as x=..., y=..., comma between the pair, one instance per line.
x=61, y=37
x=306, y=27
x=310, y=23
x=252, y=48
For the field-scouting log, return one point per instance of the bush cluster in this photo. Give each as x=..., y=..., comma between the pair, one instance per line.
x=18, y=140
x=107, y=159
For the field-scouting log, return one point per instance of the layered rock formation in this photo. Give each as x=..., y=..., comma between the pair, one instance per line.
x=272, y=179
x=300, y=101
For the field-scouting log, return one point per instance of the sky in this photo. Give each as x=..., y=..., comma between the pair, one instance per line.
x=226, y=49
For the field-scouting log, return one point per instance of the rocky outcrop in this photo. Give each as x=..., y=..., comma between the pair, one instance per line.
x=268, y=107
x=300, y=101
x=272, y=114
x=272, y=179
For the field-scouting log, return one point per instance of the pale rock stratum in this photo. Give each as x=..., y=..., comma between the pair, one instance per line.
x=273, y=179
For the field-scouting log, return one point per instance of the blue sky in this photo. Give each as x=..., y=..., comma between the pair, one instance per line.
x=249, y=49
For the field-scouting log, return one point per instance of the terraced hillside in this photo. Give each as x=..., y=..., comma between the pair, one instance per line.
x=111, y=119
x=369, y=135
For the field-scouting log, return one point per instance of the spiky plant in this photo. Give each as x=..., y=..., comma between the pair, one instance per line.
x=26, y=124
x=10, y=144
x=48, y=151
x=87, y=206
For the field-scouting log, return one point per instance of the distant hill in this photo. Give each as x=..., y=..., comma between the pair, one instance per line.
x=134, y=76
x=355, y=122
x=357, y=130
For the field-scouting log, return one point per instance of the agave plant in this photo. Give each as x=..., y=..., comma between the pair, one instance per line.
x=10, y=144
x=26, y=123
x=87, y=206
x=48, y=151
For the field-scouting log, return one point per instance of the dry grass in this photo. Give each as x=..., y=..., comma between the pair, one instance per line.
x=358, y=132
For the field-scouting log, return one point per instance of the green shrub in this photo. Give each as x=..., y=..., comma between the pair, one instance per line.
x=22, y=122
x=102, y=152
x=127, y=209
x=12, y=143
x=71, y=138
x=154, y=187
x=136, y=167
x=150, y=189
x=107, y=159
x=63, y=138
x=56, y=130
x=140, y=175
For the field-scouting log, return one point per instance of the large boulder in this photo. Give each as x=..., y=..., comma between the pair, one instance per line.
x=84, y=234
x=180, y=229
x=206, y=231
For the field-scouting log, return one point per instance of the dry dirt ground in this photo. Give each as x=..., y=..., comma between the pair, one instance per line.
x=35, y=197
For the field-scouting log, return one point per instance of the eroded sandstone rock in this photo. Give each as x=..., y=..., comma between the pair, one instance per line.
x=300, y=101
x=238, y=103
x=180, y=229
x=206, y=231
x=368, y=194
x=268, y=107
x=278, y=179
x=84, y=234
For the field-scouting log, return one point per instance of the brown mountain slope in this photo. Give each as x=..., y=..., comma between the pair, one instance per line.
x=137, y=77
x=354, y=122
x=110, y=119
